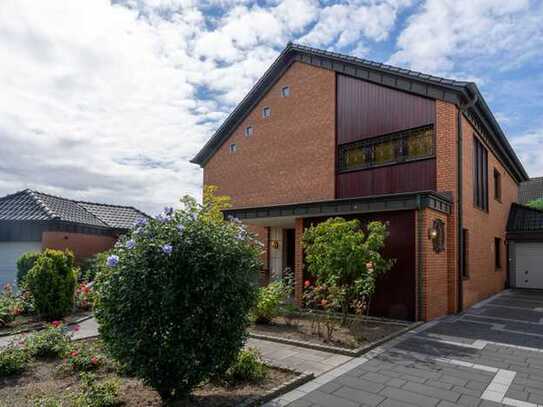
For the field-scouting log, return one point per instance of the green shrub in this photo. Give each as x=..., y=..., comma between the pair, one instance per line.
x=52, y=282
x=24, y=264
x=10, y=306
x=174, y=307
x=83, y=357
x=248, y=368
x=92, y=266
x=97, y=394
x=50, y=342
x=268, y=304
x=48, y=401
x=13, y=361
x=536, y=204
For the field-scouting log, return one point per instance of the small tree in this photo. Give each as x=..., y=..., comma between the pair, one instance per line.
x=536, y=204
x=24, y=264
x=52, y=281
x=339, y=254
x=173, y=307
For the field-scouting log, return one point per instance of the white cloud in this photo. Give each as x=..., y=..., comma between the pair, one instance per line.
x=459, y=36
x=529, y=147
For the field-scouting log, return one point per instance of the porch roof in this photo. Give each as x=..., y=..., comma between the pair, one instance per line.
x=376, y=203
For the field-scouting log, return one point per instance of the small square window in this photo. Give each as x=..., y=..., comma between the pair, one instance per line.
x=233, y=148
x=248, y=131
x=266, y=112
x=285, y=91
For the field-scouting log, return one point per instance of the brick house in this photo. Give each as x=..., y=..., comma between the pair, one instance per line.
x=323, y=134
x=32, y=221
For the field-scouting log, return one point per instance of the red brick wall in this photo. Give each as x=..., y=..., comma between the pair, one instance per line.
x=82, y=245
x=483, y=227
x=435, y=269
x=291, y=155
x=446, y=152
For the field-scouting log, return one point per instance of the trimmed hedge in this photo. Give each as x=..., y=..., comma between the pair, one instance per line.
x=24, y=264
x=52, y=281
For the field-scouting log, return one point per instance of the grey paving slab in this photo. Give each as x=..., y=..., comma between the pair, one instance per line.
x=490, y=356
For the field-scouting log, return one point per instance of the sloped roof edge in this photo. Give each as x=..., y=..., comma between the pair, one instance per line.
x=453, y=91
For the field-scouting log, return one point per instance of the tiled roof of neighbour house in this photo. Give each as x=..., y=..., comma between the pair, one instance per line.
x=465, y=94
x=531, y=190
x=31, y=205
x=118, y=217
x=524, y=219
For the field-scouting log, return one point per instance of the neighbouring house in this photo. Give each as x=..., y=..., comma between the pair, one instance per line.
x=323, y=134
x=531, y=190
x=32, y=221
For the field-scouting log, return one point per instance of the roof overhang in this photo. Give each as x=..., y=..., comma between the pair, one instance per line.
x=458, y=92
x=377, y=203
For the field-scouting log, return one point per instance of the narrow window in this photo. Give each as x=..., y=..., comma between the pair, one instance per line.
x=233, y=148
x=248, y=131
x=480, y=175
x=285, y=91
x=266, y=112
x=465, y=253
x=497, y=252
x=497, y=185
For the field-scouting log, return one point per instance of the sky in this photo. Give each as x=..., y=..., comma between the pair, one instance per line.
x=108, y=100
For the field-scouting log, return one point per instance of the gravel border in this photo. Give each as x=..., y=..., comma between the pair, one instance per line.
x=336, y=349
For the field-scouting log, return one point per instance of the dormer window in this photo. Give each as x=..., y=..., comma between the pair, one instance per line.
x=285, y=91
x=233, y=148
x=266, y=112
x=248, y=131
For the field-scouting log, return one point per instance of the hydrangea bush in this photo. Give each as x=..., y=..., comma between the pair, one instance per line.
x=173, y=307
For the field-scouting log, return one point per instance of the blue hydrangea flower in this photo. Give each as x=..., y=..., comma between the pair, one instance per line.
x=165, y=215
x=140, y=222
x=181, y=228
x=168, y=210
x=112, y=260
x=167, y=249
x=130, y=244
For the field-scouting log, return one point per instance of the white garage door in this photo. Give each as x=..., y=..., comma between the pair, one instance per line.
x=529, y=265
x=9, y=253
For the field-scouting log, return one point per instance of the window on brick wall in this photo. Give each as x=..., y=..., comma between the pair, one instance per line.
x=497, y=185
x=285, y=91
x=266, y=112
x=480, y=175
x=465, y=253
x=233, y=148
x=498, y=253
x=408, y=145
x=248, y=131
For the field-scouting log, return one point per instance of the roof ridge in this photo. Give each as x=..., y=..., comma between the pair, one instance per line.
x=48, y=211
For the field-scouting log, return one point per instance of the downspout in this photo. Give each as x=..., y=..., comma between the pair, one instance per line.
x=459, y=193
x=420, y=270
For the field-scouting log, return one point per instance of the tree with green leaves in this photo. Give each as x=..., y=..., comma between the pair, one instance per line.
x=340, y=254
x=536, y=204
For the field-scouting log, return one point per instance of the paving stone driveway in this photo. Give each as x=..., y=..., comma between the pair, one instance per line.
x=492, y=355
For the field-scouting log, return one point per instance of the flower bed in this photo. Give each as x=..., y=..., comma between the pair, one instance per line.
x=62, y=380
x=27, y=323
x=357, y=337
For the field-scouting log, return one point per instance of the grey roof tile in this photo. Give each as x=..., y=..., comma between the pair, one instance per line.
x=30, y=205
x=524, y=219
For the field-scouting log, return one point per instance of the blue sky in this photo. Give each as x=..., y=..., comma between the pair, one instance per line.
x=108, y=100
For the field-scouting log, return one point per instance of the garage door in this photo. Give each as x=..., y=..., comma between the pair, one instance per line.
x=529, y=265
x=9, y=253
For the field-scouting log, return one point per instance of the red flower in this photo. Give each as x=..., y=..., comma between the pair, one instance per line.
x=94, y=360
x=74, y=353
x=307, y=283
x=56, y=324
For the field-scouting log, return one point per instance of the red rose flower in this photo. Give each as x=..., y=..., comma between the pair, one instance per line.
x=94, y=360
x=56, y=324
x=307, y=283
x=74, y=354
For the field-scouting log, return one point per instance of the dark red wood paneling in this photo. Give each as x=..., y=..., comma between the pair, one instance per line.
x=367, y=110
x=395, y=296
x=408, y=177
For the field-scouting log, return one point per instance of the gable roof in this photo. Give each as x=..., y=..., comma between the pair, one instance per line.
x=524, y=219
x=459, y=92
x=531, y=190
x=31, y=205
